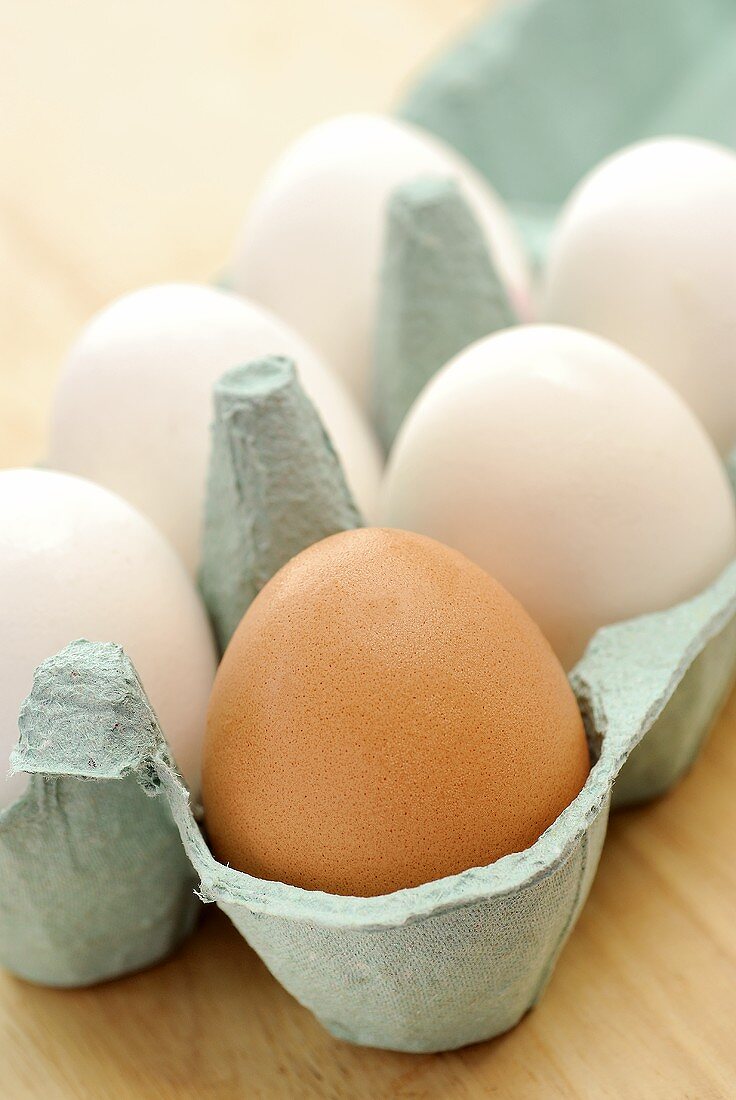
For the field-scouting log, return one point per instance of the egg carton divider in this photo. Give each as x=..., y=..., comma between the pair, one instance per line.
x=439, y=291
x=275, y=486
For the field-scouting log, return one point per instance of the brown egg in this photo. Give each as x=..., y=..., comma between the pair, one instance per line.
x=386, y=714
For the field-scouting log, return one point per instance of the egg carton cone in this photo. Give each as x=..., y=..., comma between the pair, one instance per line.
x=540, y=91
x=439, y=292
x=275, y=486
x=94, y=880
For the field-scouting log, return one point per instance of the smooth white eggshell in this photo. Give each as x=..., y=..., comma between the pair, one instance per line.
x=78, y=562
x=311, y=245
x=645, y=255
x=571, y=473
x=133, y=404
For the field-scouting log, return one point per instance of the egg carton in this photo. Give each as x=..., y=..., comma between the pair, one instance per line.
x=100, y=856
x=430, y=968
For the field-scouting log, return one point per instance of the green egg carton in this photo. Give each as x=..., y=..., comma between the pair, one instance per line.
x=431, y=968
x=101, y=856
x=96, y=881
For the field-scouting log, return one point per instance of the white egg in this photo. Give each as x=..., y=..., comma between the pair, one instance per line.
x=571, y=473
x=133, y=404
x=311, y=246
x=78, y=562
x=645, y=255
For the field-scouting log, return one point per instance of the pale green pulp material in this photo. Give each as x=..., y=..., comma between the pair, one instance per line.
x=95, y=882
x=672, y=744
x=275, y=486
x=541, y=91
x=674, y=740
x=439, y=292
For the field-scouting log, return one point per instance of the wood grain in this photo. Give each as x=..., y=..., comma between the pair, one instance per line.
x=131, y=136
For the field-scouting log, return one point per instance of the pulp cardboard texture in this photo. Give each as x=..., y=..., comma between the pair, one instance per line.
x=275, y=486
x=94, y=879
x=541, y=90
x=439, y=292
x=670, y=747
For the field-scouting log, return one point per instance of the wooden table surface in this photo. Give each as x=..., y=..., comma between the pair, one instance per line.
x=131, y=137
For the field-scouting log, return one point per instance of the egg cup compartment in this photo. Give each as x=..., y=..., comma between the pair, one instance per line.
x=95, y=882
x=432, y=968
x=461, y=959
x=439, y=292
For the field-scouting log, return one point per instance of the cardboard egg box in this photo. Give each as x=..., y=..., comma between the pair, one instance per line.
x=102, y=855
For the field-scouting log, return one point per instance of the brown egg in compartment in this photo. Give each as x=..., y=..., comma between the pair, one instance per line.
x=386, y=714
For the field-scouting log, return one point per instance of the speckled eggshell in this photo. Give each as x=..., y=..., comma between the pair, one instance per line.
x=385, y=715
